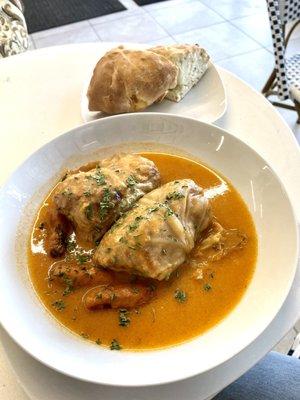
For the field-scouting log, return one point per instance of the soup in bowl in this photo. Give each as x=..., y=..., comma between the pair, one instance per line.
x=139, y=245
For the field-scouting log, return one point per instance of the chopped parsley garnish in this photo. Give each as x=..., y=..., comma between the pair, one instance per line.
x=153, y=209
x=207, y=287
x=99, y=178
x=124, y=319
x=89, y=211
x=82, y=258
x=105, y=204
x=123, y=240
x=115, y=345
x=69, y=284
x=175, y=196
x=135, y=224
x=59, y=305
x=87, y=194
x=169, y=212
x=84, y=335
x=180, y=296
x=131, y=181
x=98, y=342
x=71, y=244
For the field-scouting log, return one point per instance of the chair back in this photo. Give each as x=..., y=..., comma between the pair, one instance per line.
x=13, y=29
x=280, y=13
x=289, y=10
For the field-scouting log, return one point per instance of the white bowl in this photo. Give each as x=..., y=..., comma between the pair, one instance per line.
x=30, y=325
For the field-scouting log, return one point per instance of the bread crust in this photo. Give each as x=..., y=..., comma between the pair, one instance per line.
x=130, y=80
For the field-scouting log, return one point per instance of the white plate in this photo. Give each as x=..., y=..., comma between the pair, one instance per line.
x=39, y=334
x=206, y=101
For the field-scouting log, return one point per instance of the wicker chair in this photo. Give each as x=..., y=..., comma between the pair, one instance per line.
x=284, y=81
x=13, y=29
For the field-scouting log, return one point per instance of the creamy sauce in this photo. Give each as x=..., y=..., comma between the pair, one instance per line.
x=165, y=320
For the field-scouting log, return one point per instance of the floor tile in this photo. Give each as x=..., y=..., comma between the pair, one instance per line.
x=230, y=9
x=254, y=67
x=164, y=4
x=60, y=29
x=163, y=41
x=176, y=20
x=129, y=29
x=256, y=26
x=129, y=4
x=285, y=344
x=79, y=35
x=233, y=41
x=116, y=16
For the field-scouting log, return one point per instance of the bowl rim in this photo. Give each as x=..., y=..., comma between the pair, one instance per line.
x=184, y=375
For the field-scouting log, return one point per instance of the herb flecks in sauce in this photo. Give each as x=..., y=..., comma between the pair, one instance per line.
x=82, y=258
x=115, y=345
x=180, y=296
x=124, y=319
x=207, y=287
x=84, y=335
x=69, y=284
x=59, y=305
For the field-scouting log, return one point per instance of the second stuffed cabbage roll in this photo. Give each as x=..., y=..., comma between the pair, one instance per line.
x=156, y=236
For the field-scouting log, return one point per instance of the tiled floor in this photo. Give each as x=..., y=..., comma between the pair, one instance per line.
x=245, y=48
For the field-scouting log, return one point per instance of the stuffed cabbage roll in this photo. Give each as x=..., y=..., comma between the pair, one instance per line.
x=92, y=200
x=156, y=236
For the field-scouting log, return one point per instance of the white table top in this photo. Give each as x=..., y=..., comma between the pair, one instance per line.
x=40, y=98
